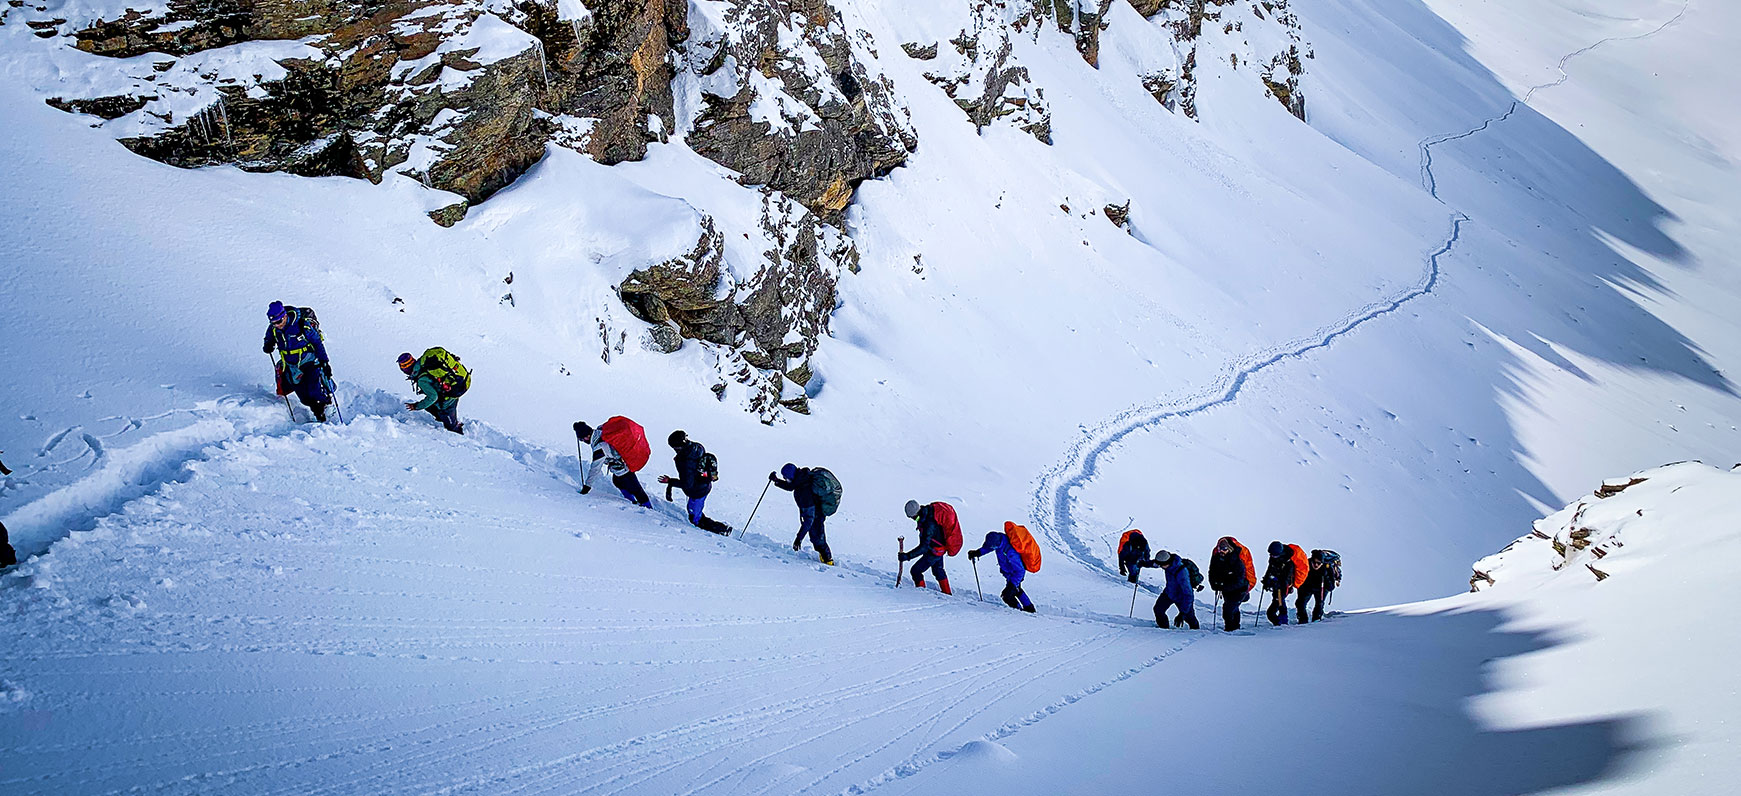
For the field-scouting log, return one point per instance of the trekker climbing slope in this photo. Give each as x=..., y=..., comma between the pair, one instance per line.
x=1231, y=575
x=1011, y=562
x=621, y=446
x=1183, y=580
x=696, y=471
x=442, y=379
x=1133, y=554
x=1278, y=581
x=302, y=366
x=817, y=493
x=939, y=536
x=8, y=556
x=1323, y=575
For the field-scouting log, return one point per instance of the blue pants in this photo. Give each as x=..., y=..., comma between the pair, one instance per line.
x=930, y=561
x=309, y=384
x=810, y=522
x=695, y=506
x=1187, y=610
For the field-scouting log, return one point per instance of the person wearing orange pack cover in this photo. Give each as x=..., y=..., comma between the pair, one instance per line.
x=1231, y=574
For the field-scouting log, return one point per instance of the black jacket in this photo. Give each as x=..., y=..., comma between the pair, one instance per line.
x=800, y=486
x=1318, y=578
x=690, y=477
x=1280, y=574
x=1227, y=572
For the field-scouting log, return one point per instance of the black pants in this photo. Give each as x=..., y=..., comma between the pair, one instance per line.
x=630, y=486
x=1316, y=596
x=1014, y=597
x=1230, y=602
x=930, y=561
x=1278, y=607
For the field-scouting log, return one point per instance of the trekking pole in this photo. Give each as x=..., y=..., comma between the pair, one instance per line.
x=275, y=384
x=753, y=513
x=580, y=458
x=1133, y=587
x=1217, y=619
x=975, y=563
x=900, y=547
x=332, y=391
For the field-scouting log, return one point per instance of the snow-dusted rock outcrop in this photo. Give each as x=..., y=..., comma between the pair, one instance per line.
x=1622, y=524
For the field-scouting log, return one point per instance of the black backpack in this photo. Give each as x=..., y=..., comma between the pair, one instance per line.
x=1196, y=576
x=709, y=466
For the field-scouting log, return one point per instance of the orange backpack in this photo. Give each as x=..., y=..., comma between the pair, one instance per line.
x=1245, y=558
x=1300, y=565
x=1024, y=544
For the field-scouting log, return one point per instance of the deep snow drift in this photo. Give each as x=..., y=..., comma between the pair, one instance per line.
x=1485, y=276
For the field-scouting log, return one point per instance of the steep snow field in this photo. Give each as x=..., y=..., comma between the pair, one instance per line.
x=1491, y=271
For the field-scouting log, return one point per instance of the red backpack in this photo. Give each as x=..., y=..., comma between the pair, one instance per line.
x=1024, y=544
x=944, y=515
x=629, y=439
x=1300, y=565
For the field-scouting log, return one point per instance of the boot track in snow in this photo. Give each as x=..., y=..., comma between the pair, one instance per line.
x=1054, y=498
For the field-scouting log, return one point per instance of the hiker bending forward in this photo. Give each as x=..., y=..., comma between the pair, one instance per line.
x=1009, y=562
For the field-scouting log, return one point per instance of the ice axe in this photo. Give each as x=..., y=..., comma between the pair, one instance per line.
x=975, y=562
x=900, y=547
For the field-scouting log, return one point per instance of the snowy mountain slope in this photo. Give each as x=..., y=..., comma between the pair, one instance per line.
x=1548, y=302
x=1579, y=325
x=378, y=608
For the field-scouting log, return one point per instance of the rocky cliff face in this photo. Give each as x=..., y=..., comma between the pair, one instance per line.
x=464, y=96
x=1273, y=47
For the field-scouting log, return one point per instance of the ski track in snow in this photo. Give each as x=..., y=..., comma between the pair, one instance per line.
x=1054, y=499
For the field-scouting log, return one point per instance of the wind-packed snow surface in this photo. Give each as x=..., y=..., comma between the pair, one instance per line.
x=1490, y=272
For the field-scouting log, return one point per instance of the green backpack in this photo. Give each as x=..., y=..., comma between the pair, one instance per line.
x=451, y=378
x=826, y=488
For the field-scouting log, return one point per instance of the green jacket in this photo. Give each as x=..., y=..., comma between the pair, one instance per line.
x=431, y=394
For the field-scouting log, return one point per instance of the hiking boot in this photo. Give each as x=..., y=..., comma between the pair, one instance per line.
x=828, y=561
x=943, y=583
x=1028, y=609
x=918, y=581
x=794, y=547
x=319, y=412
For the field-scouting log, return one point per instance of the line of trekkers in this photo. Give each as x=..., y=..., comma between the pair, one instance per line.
x=619, y=446
x=1233, y=577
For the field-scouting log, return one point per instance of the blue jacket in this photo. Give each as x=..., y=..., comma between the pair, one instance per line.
x=299, y=341
x=1009, y=562
x=1179, y=582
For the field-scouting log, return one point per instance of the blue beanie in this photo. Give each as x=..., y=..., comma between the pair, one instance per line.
x=789, y=472
x=1277, y=549
x=275, y=310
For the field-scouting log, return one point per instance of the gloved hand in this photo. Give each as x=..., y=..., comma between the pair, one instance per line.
x=1133, y=574
x=586, y=489
x=773, y=476
x=973, y=555
x=664, y=479
x=1199, y=588
x=326, y=369
x=411, y=405
x=903, y=556
x=266, y=349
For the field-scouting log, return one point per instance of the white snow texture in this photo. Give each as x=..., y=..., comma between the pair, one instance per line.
x=1491, y=270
